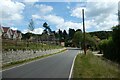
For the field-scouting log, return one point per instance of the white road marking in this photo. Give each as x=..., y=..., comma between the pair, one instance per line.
x=72, y=67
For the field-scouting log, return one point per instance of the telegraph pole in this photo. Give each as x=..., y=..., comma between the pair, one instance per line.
x=84, y=32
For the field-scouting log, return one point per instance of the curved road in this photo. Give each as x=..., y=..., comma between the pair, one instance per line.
x=56, y=66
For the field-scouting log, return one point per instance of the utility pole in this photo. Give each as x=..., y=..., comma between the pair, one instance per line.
x=84, y=32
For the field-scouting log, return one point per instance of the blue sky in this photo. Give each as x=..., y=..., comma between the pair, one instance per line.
x=59, y=15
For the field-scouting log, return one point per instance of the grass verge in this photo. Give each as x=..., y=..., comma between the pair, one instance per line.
x=90, y=66
x=28, y=60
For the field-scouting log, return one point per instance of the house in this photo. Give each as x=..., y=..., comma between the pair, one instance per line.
x=7, y=33
x=17, y=34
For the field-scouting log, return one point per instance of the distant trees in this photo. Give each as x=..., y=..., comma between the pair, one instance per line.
x=101, y=34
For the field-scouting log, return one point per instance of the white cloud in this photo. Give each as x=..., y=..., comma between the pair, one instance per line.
x=11, y=10
x=65, y=25
x=36, y=16
x=61, y=23
x=99, y=15
x=77, y=12
x=44, y=8
x=102, y=0
x=13, y=28
x=35, y=31
x=31, y=1
x=69, y=24
x=54, y=19
x=38, y=31
x=25, y=31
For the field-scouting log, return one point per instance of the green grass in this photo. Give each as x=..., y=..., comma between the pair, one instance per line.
x=28, y=60
x=22, y=45
x=90, y=66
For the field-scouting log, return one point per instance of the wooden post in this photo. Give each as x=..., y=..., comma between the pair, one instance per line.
x=84, y=32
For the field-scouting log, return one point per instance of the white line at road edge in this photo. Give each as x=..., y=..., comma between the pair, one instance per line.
x=29, y=62
x=72, y=67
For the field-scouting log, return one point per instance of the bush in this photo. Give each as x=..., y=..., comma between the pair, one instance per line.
x=111, y=47
x=108, y=49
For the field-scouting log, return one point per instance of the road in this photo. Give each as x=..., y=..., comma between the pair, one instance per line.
x=56, y=66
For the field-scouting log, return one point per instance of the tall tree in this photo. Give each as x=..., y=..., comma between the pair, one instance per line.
x=71, y=33
x=65, y=35
x=60, y=35
x=31, y=25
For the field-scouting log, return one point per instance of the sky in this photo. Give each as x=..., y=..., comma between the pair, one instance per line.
x=59, y=14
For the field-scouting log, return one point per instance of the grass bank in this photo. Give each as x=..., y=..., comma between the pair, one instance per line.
x=28, y=60
x=90, y=66
x=23, y=45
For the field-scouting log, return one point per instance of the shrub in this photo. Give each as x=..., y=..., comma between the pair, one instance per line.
x=111, y=47
x=107, y=47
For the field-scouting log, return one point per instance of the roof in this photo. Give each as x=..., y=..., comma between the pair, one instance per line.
x=5, y=29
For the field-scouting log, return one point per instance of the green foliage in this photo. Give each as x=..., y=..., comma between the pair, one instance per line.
x=77, y=39
x=107, y=47
x=22, y=45
x=116, y=37
x=101, y=34
x=27, y=36
x=91, y=42
x=60, y=35
x=65, y=35
x=45, y=25
x=111, y=47
x=71, y=33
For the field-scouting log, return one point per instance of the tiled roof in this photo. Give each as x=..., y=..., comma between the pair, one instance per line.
x=5, y=29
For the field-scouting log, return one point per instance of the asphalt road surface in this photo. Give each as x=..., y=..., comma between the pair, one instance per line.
x=56, y=66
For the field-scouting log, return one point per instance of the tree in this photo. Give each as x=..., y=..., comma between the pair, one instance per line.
x=65, y=35
x=45, y=25
x=71, y=33
x=31, y=25
x=101, y=34
x=90, y=41
x=30, y=28
x=77, y=39
x=60, y=35
x=79, y=30
x=116, y=40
